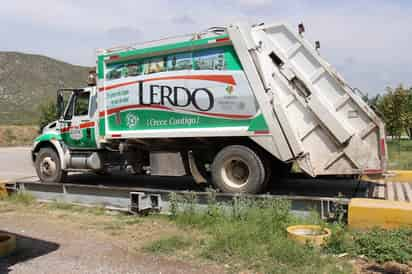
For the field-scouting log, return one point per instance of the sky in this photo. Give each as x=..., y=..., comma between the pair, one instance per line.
x=368, y=41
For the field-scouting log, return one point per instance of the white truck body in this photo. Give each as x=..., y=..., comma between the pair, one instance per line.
x=262, y=83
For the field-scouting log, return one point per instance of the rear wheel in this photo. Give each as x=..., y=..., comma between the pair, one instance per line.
x=238, y=169
x=48, y=166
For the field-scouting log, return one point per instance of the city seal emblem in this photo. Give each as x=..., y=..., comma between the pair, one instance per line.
x=132, y=120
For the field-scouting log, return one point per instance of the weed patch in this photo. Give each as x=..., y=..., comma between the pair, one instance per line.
x=57, y=205
x=21, y=198
x=400, y=154
x=168, y=245
x=248, y=234
x=17, y=135
x=384, y=245
x=377, y=244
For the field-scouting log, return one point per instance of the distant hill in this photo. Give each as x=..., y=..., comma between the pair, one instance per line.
x=27, y=80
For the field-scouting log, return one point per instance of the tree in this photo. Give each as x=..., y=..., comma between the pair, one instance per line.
x=48, y=113
x=371, y=101
x=408, y=114
x=396, y=110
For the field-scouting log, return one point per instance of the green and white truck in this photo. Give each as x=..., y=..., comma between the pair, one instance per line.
x=234, y=106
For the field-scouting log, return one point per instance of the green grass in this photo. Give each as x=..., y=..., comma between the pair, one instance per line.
x=380, y=245
x=93, y=210
x=251, y=235
x=400, y=154
x=20, y=198
x=384, y=245
x=168, y=245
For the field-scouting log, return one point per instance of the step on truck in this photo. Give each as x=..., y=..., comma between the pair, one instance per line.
x=234, y=106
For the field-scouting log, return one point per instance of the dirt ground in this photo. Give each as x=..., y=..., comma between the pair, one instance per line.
x=59, y=238
x=66, y=241
x=362, y=266
x=17, y=135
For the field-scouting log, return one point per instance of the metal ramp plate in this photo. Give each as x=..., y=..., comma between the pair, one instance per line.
x=392, y=191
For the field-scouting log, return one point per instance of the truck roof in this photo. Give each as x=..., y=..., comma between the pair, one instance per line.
x=205, y=39
x=167, y=43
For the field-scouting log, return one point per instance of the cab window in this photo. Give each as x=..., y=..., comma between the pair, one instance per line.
x=81, y=107
x=114, y=73
x=69, y=111
x=180, y=61
x=210, y=59
x=155, y=65
x=133, y=69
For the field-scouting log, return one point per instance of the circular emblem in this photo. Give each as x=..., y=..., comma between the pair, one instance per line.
x=132, y=120
x=76, y=133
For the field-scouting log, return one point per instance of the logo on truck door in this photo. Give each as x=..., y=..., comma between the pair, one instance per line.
x=76, y=133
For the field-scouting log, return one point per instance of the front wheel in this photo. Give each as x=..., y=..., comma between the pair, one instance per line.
x=48, y=166
x=238, y=169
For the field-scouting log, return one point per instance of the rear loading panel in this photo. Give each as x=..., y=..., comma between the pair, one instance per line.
x=327, y=126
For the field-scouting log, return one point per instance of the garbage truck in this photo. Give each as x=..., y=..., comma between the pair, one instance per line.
x=234, y=106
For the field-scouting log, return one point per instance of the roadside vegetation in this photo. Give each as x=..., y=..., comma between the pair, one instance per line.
x=48, y=113
x=400, y=154
x=17, y=135
x=23, y=135
x=252, y=235
x=395, y=108
x=246, y=236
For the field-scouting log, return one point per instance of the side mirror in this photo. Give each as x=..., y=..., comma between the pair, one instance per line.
x=59, y=105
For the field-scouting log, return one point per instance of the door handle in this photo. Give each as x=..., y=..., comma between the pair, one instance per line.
x=88, y=133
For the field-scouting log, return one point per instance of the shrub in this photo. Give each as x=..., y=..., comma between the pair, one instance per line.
x=21, y=198
x=384, y=245
x=339, y=242
x=251, y=234
x=48, y=113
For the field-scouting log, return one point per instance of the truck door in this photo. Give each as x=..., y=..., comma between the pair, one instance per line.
x=78, y=130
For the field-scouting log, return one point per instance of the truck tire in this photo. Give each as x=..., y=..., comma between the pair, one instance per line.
x=238, y=169
x=48, y=167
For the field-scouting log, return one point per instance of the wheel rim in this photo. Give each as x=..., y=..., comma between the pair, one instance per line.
x=48, y=167
x=235, y=172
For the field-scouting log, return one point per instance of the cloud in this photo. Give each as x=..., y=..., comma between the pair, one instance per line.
x=184, y=19
x=367, y=40
x=254, y=3
x=124, y=35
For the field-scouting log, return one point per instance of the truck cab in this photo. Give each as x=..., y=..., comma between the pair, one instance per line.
x=77, y=122
x=69, y=143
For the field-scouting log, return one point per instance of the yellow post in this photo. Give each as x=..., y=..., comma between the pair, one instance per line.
x=398, y=176
x=368, y=213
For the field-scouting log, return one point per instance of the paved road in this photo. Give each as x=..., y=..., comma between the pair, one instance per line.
x=15, y=163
